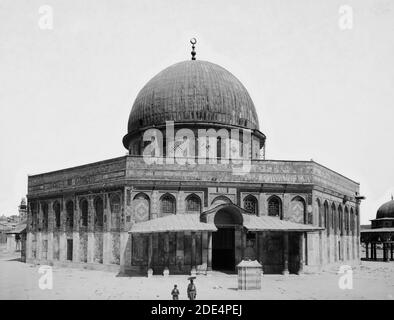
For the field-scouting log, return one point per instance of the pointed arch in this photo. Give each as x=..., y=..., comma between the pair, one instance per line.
x=333, y=218
x=326, y=216
x=115, y=206
x=69, y=214
x=193, y=203
x=167, y=204
x=352, y=224
x=141, y=205
x=275, y=206
x=221, y=199
x=98, y=212
x=298, y=210
x=44, y=209
x=84, y=208
x=56, y=210
x=250, y=204
x=319, y=212
x=340, y=220
x=347, y=220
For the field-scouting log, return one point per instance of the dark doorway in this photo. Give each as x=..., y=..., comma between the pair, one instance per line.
x=223, y=249
x=294, y=252
x=69, y=249
x=339, y=250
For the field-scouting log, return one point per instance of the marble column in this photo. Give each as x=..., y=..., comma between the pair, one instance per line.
x=193, y=260
x=150, y=253
x=366, y=251
x=285, y=253
x=167, y=250
x=301, y=247
x=124, y=236
x=209, y=266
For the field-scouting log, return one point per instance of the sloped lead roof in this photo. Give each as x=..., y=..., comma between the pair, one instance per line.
x=173, y=223
x=192, y=222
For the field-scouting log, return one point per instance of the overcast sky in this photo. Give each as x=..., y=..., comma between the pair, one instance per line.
x=321, y=92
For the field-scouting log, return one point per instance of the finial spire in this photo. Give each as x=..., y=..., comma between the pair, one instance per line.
x=193, y=41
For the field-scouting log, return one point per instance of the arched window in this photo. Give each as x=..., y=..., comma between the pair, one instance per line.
x=141, y=204
x=56, y=209
x=167, y=204
x=275, y=207
x=250, y=204
x=115, y=212
x=326, y=217
x=84, y=206
x=44, y=208
x=219, y=147
x=352, y=224
x=347, y=221
x=340, y=220
x=297, y=210
x=333, y=218
x=99, y=212
x=70, y=214
x=34, y=215
x=319, y=213
x=193, y=203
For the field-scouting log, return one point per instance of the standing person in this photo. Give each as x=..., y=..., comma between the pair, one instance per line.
x=191, y=289
x=175, y=293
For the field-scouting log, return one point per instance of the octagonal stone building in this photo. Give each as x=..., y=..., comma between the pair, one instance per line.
x=144, y=214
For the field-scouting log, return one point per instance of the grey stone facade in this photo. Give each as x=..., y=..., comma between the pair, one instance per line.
x=328, y=199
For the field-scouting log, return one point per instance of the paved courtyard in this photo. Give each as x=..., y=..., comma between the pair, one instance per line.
x=372, y=280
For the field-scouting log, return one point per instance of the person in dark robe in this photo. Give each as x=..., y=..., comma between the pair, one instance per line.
x=175, y=293
x=191, y=290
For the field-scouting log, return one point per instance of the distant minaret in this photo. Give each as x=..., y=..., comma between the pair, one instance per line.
x=22, y=210
x=193, y=41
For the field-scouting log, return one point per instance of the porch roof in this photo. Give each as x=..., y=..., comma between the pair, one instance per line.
x=267, y=223
x=18, y=229
x=377, y=230
x=191, y=222
x=173, y=223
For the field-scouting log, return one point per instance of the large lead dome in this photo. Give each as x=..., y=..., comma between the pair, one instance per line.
x=193, y=91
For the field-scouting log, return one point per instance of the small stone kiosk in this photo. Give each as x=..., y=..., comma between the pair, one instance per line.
x=249, y=275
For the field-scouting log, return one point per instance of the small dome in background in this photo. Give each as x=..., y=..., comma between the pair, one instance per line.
x=386, y=210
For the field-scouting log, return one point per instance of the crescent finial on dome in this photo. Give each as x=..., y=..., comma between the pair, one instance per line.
x=193, y=41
